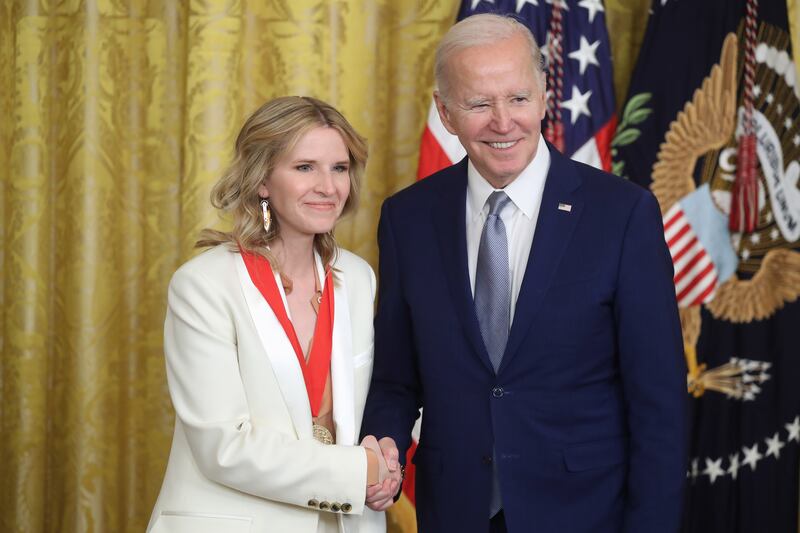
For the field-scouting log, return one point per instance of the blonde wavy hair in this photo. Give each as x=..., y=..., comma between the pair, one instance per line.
x=268, y=134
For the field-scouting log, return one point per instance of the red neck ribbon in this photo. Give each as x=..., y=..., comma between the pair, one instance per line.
x=316, y=370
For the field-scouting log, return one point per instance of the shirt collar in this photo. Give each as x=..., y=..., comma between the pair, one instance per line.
x=525, y=191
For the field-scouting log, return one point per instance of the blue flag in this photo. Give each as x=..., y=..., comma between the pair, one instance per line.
x=710, y=75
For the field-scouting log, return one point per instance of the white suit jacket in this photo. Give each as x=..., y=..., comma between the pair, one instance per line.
x=243, y=458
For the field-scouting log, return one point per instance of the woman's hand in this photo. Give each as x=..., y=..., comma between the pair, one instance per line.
x=380, y=496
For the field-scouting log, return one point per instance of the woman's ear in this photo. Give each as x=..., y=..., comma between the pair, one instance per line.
x=263, y=191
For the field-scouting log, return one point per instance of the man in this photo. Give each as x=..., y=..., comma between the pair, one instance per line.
x=526, y=302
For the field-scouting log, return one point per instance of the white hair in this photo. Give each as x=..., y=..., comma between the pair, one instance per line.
x=477, y=30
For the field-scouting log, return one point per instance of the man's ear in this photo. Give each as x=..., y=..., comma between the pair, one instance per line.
x=444, y=113
x=543, y=94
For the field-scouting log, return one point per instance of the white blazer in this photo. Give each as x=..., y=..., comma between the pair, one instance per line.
x=243, y=459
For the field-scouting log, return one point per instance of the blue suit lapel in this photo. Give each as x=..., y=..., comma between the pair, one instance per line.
x=554, y=228
x=449, y=219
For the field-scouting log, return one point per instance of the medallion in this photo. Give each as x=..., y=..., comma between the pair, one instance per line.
x=322, y=434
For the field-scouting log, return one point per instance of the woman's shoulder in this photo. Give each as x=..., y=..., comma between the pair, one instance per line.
x=352, y=264
x=217, y=263
x=357, y=272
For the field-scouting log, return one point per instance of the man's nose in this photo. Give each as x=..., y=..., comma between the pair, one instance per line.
x=501, y=119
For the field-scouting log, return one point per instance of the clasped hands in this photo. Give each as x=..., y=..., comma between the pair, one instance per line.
x=380, y=495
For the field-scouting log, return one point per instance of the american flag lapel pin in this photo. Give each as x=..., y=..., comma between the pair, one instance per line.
x=564, y=207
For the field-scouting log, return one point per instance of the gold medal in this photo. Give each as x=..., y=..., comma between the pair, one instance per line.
x=322, y=434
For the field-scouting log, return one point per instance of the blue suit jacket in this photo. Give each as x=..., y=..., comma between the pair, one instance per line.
x=587, y=412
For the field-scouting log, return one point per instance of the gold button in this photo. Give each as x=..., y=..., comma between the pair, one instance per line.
x=336, y=507
x=324, y=506
x=313, y=503
x=346, y=507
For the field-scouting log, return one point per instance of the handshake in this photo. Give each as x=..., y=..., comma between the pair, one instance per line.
x=384, y=483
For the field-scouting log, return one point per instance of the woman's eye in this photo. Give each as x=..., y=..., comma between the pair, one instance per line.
x=340, y=168
x=303, y=168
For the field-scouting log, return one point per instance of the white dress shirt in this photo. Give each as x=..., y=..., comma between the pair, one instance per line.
x=519, y=216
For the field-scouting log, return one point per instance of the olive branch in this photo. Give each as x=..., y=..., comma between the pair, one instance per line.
x=633, y=114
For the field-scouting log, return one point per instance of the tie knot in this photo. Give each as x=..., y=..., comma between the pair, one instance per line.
x=497, y=201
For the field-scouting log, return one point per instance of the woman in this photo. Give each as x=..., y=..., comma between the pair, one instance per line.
x=268, y=342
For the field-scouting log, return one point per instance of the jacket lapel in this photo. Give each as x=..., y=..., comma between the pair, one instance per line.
x=279, y=350
x=554, y=228
x=449, y=218
x=343, y=387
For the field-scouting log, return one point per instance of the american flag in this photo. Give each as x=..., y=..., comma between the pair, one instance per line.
x=573, y=38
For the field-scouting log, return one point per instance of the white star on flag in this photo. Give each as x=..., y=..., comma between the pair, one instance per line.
x=774, y=446
x=586, y=54
x=733, y=469
x=794, y=430
x=521, y=4
x=751, y=456
x=545, y=51
x=592, y=6
x=476, y=2
x=578, y=105
x=713, y=469
x=787, y=123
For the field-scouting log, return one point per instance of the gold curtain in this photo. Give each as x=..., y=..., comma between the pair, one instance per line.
x=116, y=117
x=626, y=21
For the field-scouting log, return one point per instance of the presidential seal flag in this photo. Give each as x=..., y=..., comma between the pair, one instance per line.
x=717, y=139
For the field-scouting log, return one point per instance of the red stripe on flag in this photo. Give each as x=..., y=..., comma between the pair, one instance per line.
x=678, y=235
x=702, y=297
x=603, y=139
x=684, y=250
x=692, y=262
x=697, y=279
x=431, y=156
x=410, y=474
x=674, y=218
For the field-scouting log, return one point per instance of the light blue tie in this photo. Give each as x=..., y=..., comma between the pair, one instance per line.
x=492, y=281
x=493, y=302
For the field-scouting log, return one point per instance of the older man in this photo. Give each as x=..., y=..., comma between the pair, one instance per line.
x=526, y=302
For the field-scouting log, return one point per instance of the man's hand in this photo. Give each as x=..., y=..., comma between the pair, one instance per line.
x=381, y=495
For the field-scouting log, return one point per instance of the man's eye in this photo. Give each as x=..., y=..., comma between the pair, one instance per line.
x=519, y=100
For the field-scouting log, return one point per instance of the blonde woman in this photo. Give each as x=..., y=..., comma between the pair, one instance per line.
x=268, y=343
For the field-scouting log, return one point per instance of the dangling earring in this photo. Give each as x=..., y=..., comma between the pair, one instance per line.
x=267, y=214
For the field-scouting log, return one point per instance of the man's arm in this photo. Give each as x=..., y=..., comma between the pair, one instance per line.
x=393, y=401
x=653, y=373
